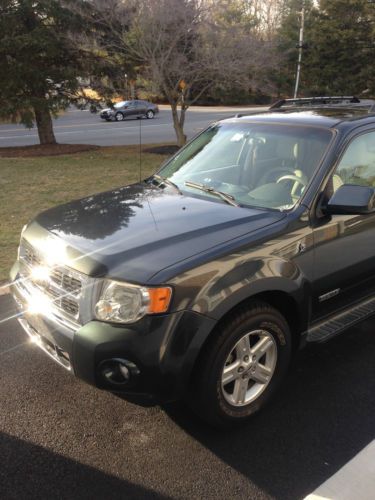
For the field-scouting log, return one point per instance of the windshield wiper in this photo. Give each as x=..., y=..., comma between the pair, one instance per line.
x=167, y=182
x=207, y=189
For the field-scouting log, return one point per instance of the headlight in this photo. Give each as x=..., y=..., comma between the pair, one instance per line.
x=124, y=303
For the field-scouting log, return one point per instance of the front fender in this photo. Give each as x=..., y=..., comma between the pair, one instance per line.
x=248, y=279
x=226, y=290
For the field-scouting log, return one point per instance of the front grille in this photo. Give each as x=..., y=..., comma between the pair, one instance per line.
x=64, y=286
x=29, y=255
x=66, y=282
x=70, y=306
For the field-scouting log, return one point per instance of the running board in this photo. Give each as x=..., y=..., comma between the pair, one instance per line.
x=334, y=325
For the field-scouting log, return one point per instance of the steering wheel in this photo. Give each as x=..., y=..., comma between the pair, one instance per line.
x=271, y=175
x=298, y=181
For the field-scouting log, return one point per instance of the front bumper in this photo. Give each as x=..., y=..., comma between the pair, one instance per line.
x=106, y=116
x=162, y=348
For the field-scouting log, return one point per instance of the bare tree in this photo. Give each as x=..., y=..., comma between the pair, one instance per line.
x=268, y=14
x=183, y=50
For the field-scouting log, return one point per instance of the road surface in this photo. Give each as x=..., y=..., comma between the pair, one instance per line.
x=83, y=127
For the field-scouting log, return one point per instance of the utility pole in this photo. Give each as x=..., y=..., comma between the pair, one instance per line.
x=300, y=48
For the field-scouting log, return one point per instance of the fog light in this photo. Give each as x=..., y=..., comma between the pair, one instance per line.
x=124, y=371
x=118, y=372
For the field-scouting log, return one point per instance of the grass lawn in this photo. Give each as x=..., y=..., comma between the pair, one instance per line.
x=30, y=185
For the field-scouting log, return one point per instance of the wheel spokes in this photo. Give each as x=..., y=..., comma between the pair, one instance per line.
x=230, y=372
x=243, y=347
x=262, y=374
x=263, y=345
x=240, y=389
x=249, y=367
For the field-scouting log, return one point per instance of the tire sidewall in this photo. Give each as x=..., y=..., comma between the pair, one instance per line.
x=119, y=115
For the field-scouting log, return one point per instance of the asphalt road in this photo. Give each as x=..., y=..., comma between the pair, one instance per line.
x=83, y=127
x=60, y=438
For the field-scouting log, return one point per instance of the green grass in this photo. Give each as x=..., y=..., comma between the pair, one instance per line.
x=30, y=185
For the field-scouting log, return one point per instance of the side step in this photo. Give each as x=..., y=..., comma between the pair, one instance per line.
x=334, y=325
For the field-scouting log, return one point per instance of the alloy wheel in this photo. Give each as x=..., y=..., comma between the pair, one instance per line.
x=249, y=368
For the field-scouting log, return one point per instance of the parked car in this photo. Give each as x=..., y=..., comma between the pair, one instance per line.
x=204, y=280
x=126, y=109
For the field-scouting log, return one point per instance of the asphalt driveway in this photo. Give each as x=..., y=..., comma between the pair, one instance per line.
x=60, y=438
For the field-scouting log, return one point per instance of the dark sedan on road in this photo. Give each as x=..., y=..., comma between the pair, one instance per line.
x=126, y=109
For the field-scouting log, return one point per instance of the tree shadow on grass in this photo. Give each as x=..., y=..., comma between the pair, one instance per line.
x=30, y=471
x=321, y=418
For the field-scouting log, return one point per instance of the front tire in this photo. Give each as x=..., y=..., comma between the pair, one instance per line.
x=119, y=117
x=150, y=114
x=241, y=366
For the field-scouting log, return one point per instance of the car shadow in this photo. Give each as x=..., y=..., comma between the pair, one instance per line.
x=321, y=418
x=30, y=471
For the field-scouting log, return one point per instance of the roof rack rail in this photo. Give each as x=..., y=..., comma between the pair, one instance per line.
x=311, y=101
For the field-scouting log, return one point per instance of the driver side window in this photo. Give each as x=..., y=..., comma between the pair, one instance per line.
x=357, y=165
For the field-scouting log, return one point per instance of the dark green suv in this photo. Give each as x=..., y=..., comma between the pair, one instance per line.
x=202, y=281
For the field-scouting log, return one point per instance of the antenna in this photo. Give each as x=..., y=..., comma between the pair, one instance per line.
x=140, y=149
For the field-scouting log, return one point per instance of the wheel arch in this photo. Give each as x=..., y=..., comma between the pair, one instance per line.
x=282, y=301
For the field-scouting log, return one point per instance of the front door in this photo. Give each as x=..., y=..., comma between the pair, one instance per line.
x=131, y=109
x=344, y=268
x=141, y=108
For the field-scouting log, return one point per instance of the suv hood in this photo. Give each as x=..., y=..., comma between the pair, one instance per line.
x=133, y=232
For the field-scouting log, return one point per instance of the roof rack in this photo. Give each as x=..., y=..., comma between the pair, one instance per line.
x=347, y=101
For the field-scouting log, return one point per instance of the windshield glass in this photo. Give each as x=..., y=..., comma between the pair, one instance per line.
x=121, y=104
x=260, y=165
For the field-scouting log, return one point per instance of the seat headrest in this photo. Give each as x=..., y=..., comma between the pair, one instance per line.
x=285, y=148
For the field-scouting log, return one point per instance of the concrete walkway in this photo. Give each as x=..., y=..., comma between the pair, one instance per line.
x=355, y=481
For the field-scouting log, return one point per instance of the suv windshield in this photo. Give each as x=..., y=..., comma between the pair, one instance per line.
x=260, y=165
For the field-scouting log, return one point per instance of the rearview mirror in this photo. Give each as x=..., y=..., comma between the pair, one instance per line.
x=352, y=200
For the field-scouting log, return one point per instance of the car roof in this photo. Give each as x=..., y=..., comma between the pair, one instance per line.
x=325, y=116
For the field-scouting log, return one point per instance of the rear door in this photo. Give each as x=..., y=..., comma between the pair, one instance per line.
x=344, y=266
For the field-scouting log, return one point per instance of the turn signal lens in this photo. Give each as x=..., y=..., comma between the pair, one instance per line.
x=159, y=300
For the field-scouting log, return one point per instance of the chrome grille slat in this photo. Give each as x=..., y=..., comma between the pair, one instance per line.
x=29, y=255
x=66, y=282
x=70, y=306
x=64, y=286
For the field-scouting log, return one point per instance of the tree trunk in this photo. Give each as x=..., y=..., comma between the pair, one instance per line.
x=44, y=124
x=178, y=124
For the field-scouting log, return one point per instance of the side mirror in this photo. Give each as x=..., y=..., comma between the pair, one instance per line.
x=352, y=200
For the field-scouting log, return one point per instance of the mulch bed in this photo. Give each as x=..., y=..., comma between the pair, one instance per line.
x=45, y=150
x=170, y=149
